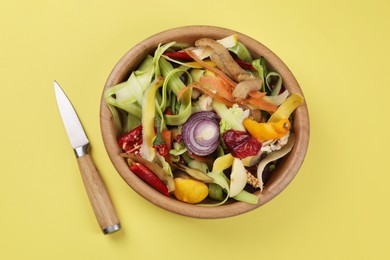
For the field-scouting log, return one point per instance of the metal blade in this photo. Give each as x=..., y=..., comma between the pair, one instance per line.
x=71, y=121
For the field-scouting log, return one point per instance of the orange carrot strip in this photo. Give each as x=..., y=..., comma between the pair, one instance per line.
x=181, y=91
x=257, y=94
x=213, y=69
x=256, y=99
x=261, y=104
x=207, y=91
x=166, y=135
x=219, y=85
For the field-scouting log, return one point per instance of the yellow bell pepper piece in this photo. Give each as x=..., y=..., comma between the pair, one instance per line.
x=190, y=191
x=287, y=107
x=148, y=134
x=267, y=131
x=222, y=163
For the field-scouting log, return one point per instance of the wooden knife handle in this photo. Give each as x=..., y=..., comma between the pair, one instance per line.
x=98, y=195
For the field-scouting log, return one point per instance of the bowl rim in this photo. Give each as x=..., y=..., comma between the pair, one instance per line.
x=283, y=174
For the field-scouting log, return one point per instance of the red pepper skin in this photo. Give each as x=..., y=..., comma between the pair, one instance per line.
x=178, y=138
x=132, y=140
x=131, y=143
x=149, y=177
x=241, y=144
x=245, y=65
x=162, y=149
x=168, y=111
x=181, y=55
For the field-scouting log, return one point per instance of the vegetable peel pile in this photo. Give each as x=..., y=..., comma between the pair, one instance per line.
x=203, y=123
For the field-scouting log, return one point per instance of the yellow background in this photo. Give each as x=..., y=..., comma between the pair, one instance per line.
x=336, y=208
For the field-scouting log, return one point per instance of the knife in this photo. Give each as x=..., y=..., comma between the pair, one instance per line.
x=96, y=190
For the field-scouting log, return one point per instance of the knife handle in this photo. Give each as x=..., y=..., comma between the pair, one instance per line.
x=98, y=195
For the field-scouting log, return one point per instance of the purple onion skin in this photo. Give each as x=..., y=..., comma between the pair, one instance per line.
x=195, y=128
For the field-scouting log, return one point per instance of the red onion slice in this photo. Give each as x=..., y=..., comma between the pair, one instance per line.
x=201, y=133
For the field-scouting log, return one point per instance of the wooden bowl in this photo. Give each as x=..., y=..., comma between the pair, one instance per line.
x=282, y=175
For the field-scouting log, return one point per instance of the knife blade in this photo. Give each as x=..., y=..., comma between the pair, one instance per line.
x=95, y=187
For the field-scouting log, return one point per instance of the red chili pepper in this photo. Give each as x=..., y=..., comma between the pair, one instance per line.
x=149, y=177
x=245, y=65
x=131, y=143
x=166, y=135
x=132, y=140
x=162, y=149
x=168, y=111
x=181, y=55
x=241, y=144
x=178, y=138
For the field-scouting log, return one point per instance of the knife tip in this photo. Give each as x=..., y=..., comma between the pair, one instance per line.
x=57, y=86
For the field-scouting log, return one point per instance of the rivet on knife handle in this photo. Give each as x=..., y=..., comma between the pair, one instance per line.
x=98, y=195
